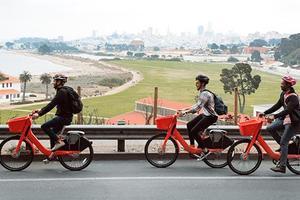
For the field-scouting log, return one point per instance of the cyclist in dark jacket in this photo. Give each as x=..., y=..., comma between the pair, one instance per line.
x=63, y=113
x=286, y=121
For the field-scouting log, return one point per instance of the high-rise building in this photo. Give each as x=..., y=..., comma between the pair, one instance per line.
x=200, y=30
x=94, y=33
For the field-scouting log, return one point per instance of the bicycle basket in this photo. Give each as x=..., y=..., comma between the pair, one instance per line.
x=163, y=123
x=17, y=125
x=251, y=127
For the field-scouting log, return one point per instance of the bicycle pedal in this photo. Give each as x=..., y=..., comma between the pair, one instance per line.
x=201, y=157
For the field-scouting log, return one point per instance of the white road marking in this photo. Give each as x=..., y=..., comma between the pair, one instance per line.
x=152, y=178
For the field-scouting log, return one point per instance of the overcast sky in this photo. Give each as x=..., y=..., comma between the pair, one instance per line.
x=78, y=18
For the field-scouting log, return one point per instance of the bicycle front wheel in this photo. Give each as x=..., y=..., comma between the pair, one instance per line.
x=19, y=161
x=159, y=158
x=294, y=165
x=216, y=160
x=236, y=160
x=76, y=162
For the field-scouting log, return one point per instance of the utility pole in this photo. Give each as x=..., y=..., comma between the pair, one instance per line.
x=79, y=115
x=155, y=104
x=235, y=105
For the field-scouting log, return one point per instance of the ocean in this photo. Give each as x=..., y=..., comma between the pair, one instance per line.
x=14, y=64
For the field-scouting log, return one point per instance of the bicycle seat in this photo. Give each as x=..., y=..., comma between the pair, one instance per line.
x=218, y=131
x=76, y=132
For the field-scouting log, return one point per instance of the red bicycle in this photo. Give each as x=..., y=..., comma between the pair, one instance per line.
x=245, y=156
x=162, y=149
x=17, y=152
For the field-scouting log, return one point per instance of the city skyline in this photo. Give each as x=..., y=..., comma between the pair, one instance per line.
x=75, y=19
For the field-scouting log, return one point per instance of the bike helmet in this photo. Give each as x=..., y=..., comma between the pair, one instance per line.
x=289, y=80
x=202, y=78
x=61, y=77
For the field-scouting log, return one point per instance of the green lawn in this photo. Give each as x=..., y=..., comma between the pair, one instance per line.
x=175, y=81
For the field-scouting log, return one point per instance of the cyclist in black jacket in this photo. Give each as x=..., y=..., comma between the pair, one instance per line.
x=286, y=121
x=63, y=113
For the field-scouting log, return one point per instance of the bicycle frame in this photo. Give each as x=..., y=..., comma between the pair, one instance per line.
x=28, y=136
x=175, y=134
x=262, y=143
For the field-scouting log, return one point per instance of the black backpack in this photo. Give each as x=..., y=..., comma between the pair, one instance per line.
x=76, y=101
x=220, y=107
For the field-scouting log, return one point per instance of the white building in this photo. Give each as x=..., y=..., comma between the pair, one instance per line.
x=261, y=108
x=10, y=89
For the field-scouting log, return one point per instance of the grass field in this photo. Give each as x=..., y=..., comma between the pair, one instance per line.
x=176, y=82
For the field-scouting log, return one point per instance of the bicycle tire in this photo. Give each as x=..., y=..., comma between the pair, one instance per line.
x=6, y=153
x=256, y=155
x=152, y=151
x=210, y=160
x=86, y=157
x=290, y=166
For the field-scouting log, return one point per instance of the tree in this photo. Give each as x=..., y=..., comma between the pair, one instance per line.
x=46, y=79
x=255, y=56
x=232, y=59
x=240, y=76
x=223, y=47
x=234, y=49
x=9, y=45
x=2, y=77
x=139, y=55
x=214, y=46
x=258, y=43
x=129, y=53
x=24, y=78
x=156, y=49
x=44, y=49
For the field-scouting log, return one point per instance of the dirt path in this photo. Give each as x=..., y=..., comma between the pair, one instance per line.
x=83, y=67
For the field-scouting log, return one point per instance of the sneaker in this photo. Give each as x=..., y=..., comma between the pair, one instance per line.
x=59, y=144
x=278, y=150
x=46, y=161
x=203, y=155
x=278, y=168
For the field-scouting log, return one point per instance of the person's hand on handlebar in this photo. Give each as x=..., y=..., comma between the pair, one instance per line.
x=181, y=113
x=261, y=115
x=270, y=118
x=35, y=114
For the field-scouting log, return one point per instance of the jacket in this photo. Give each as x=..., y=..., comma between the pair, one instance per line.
x=290, y=108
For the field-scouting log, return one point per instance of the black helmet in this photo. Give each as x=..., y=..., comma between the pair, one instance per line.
x=61, y=77
x=202, y=78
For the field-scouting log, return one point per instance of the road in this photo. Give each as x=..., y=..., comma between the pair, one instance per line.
x=137, y=179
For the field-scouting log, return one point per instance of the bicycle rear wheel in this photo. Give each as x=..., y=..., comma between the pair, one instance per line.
x=76, y=162
x=216, y=160
x=236, y=160
x=294, y=165
x=15, y=162
x=159, y=158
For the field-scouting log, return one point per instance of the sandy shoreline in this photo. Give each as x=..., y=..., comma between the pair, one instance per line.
x=80, y=67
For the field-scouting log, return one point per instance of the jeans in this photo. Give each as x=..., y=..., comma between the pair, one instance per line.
x=283, y=134
x=53, y=126
x=198, y=124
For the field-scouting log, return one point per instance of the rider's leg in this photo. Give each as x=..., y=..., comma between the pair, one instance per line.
x=289, y=132
x=51, y=127
x=275, y=128
x=203, y=124
x=190, y=125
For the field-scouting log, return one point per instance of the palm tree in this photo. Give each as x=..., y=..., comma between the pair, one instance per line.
x=24, y=78
x=46, y=79
x=2, y=77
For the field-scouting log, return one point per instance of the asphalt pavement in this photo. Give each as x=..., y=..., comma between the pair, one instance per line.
x=137, y=179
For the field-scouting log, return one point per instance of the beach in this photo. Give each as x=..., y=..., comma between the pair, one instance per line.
x=84, y=70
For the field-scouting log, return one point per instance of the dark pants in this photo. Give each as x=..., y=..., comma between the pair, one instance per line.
x=283, y=134
x=197, y=125
x=53, y=126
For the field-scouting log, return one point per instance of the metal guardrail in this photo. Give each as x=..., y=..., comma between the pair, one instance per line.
x=126, y=132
